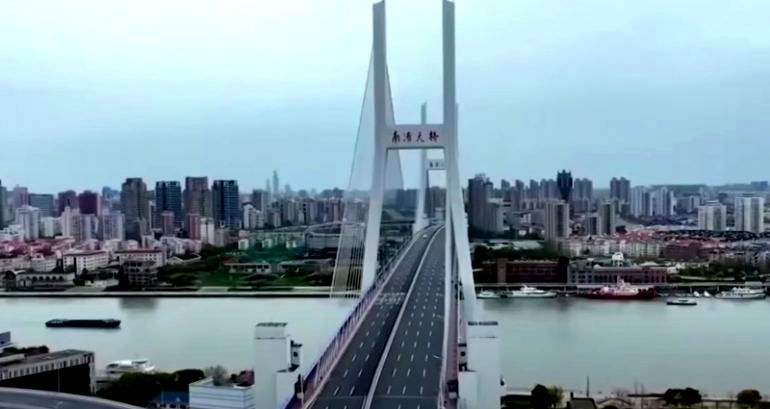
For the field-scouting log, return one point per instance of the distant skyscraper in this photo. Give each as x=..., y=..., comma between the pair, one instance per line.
x=20, y=196
x=250, y=216
x=113, y=226
x=167, y=223
x=44, y=202
x=607, y=219
x=749, y=213
x=564, y=183
x=226, y=204
x=197, y=197
x=638, y=201
x=276, y=184
x=260, y=199
x=2, y=205
x=88, y=203
x=133, y=199
x=28, y=218
x=712, y=216
x=620, y=189
x=67, y=199
x=168, y=198
x=556, y=222
x=584, y=189
x=193, y=226
x=479, y=209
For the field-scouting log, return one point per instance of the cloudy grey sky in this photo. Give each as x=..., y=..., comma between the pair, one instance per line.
x=93, y=91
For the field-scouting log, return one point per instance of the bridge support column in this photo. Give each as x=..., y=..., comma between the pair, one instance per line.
x=480, y=383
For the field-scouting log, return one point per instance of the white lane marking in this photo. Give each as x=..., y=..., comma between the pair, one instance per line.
x=388, y=391
x=430, y=332
x=431, y=323
x=345, y=407
x=367, y=333
x=345, y=374
x=399, y=406
x=419, y=324
x=373, y=342
x=415, y=344
x=406, y=332
x=354, y=358
x=411, y=358
x=408, y=372
x=418, y=333
x=361, y=345
x=402, y=344
x=423, y=372
x=336, y=390
x=418, y=406
x=428, y=344
x=352, y=390
x=359, y=372
x=426, y=357
x=398, y=358
x=367, y=355
x=394, y=372
x=403, y=390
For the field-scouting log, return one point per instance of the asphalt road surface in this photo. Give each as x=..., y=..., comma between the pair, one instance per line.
x=350, y=381
x=410, y=375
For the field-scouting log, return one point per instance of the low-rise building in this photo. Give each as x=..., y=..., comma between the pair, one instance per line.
x=504, y=271
x=140, y=273
x=589, y=272
x=86, y=260
x=47, y=280
x=158, y=257
x=206, y=394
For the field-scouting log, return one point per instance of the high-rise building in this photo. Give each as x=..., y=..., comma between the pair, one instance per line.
x=167, y=223
x=584, y=189
x=620, y=189
x=638, y=201
x=2, y=205
x=168, y=198
x=66, y=199
x=28, y=218
x=250, y=216
x=44, y=202
x=113, y=226
x=20, y=196
x=607, y=219
x=564, y=183
x=84, y=227
x=133, y=199
x=712, y=216
x=556, y=222
x=226, y=204
x=260, y=199
x=197, y=197
x=193, y=226
x=479, y=209
x=276, y=185
x=89, y=203
x=750, y=213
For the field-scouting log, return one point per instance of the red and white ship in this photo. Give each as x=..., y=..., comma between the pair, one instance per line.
x=622, y=290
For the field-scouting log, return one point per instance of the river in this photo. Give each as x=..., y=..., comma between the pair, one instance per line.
x=718, y=346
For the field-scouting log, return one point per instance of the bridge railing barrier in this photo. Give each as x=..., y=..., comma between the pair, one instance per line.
x=314, y=375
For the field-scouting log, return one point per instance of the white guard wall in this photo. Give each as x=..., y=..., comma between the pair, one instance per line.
x=271, y=355
x=484, y=361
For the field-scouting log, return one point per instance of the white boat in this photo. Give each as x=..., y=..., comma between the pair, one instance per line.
x=707, y=294
x=116, y=369
x=531, y=292
x=696, y=294
x=743, y=293
x=487, y=295
x=681, y=301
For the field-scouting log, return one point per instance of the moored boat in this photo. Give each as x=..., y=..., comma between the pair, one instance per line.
x=531, y=292
x=487, y=295
x=681, y=301
x=621, y=291
x=83, y=323
x=742, y=293
x=116, y=369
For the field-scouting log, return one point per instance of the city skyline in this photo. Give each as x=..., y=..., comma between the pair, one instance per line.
x=587, y=88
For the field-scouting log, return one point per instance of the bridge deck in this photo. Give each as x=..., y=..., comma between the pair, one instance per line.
x=351, y=379
x=411, y=372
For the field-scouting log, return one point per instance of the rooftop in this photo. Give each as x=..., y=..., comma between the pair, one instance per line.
x=43, y=357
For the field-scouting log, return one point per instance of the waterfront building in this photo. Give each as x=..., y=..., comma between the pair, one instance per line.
x=44, y=202
x=588, y=272
x=157, y=257
x=750, y=213
x=140, y=273
x=226, y=204
x=28, y=218
x=712, y=216
x=503, y=271
x=168, y=198
x=134, y=200
x=86, y=260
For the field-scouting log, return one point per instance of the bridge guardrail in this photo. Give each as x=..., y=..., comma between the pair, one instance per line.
x=312, y=377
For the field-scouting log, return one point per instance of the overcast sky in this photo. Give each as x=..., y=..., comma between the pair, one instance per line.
x=93, y=91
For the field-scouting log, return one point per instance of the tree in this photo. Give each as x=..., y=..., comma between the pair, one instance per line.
x=217, y=373
x=540, y=397
x=185, y=377
x=556, y=394
x=749, y=398
x=690, y=397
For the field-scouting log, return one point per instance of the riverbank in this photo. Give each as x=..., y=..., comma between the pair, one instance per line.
x=209, y=292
